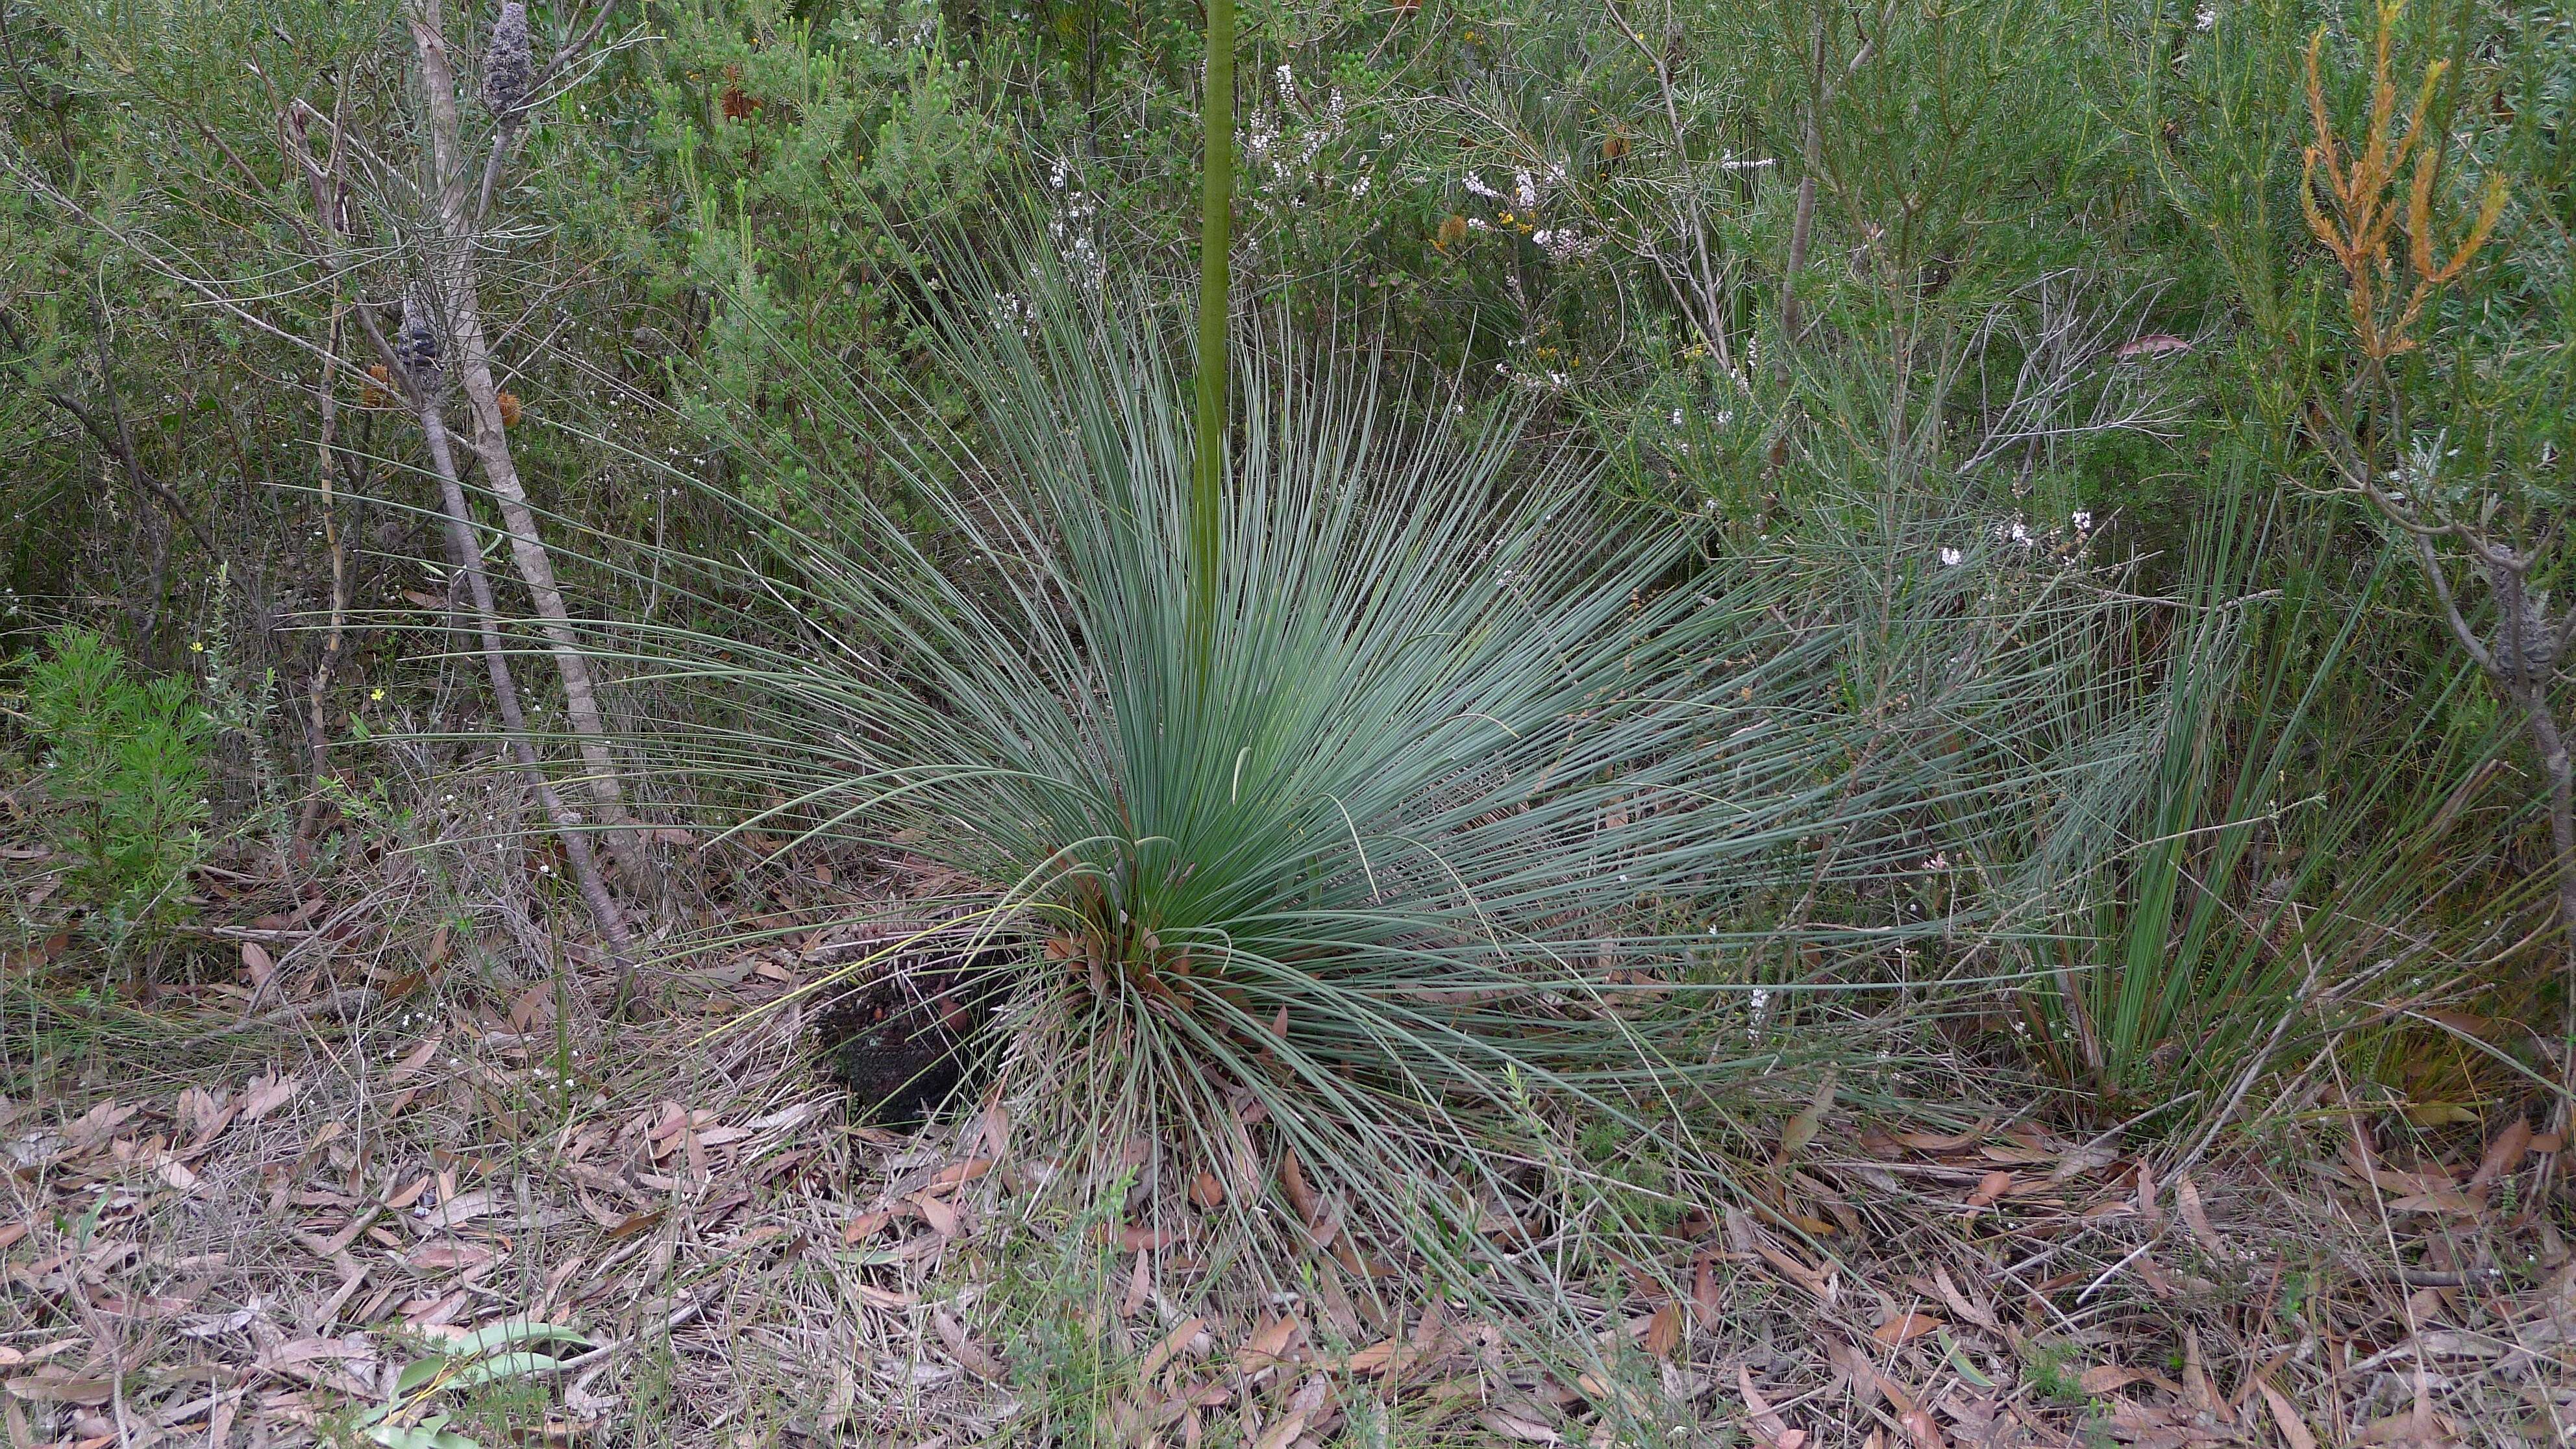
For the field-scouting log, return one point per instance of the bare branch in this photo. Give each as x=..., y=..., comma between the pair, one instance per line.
x=2065, y=342
x=115, y=437
x=2459, y=623
x=213, y=295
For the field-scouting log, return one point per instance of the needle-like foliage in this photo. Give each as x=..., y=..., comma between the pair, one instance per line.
x=1481, y=804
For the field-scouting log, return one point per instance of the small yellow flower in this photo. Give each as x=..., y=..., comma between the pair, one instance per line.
x=196, y=646
x=377, y=694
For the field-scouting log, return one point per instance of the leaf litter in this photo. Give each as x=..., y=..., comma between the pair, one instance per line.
x=288, y=1229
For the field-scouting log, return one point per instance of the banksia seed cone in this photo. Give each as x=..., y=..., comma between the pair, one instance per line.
x=509, y=402
x=506, y=65
x=379, y=388
x=417, y=343
x=1614, y=146
x=1453, y=232
x=2529, y=654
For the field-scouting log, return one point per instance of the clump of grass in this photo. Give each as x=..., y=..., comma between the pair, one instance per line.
x=2246, y=869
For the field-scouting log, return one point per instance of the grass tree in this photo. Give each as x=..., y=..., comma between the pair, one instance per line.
x=1341, y=791
x=1468, y=808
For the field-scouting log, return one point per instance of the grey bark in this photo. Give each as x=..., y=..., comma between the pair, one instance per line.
x=570, y=828
x=466, y=351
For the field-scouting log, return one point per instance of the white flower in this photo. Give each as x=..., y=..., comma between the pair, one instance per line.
x=1524, y=189
x=1564, y=244
x=2083, y=520
x=1951, y=558
x=1476, y=184
x=1677, y=417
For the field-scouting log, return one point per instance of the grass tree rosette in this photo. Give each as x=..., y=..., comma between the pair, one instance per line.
x=1471, y=811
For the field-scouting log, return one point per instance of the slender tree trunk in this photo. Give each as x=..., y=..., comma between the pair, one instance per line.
x=2562, y=823
x=536, y=570
x=567, y=821
x=1802, y=226
x=2551, y=742
x=467, y=351
x=317, y=728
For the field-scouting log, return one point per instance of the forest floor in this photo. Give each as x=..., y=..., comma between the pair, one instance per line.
x=256, y=1204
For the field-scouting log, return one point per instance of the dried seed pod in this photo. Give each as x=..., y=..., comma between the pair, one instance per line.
x=1614, y=145
x=506, y=65
x=416, y=344
x=737, y=104
x=379, y=387
x=2528, y=655
x=509, y=402
x=1453, y=232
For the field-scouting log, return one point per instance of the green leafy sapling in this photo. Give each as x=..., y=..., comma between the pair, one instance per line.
x=125, y=764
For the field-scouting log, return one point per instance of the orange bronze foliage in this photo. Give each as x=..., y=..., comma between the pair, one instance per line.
x=2360, y=209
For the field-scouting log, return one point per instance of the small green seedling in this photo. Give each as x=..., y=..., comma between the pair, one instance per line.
x=490, y=1354
x=1958, y=1358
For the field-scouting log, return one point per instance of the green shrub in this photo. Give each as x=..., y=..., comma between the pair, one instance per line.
x=125, y=764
